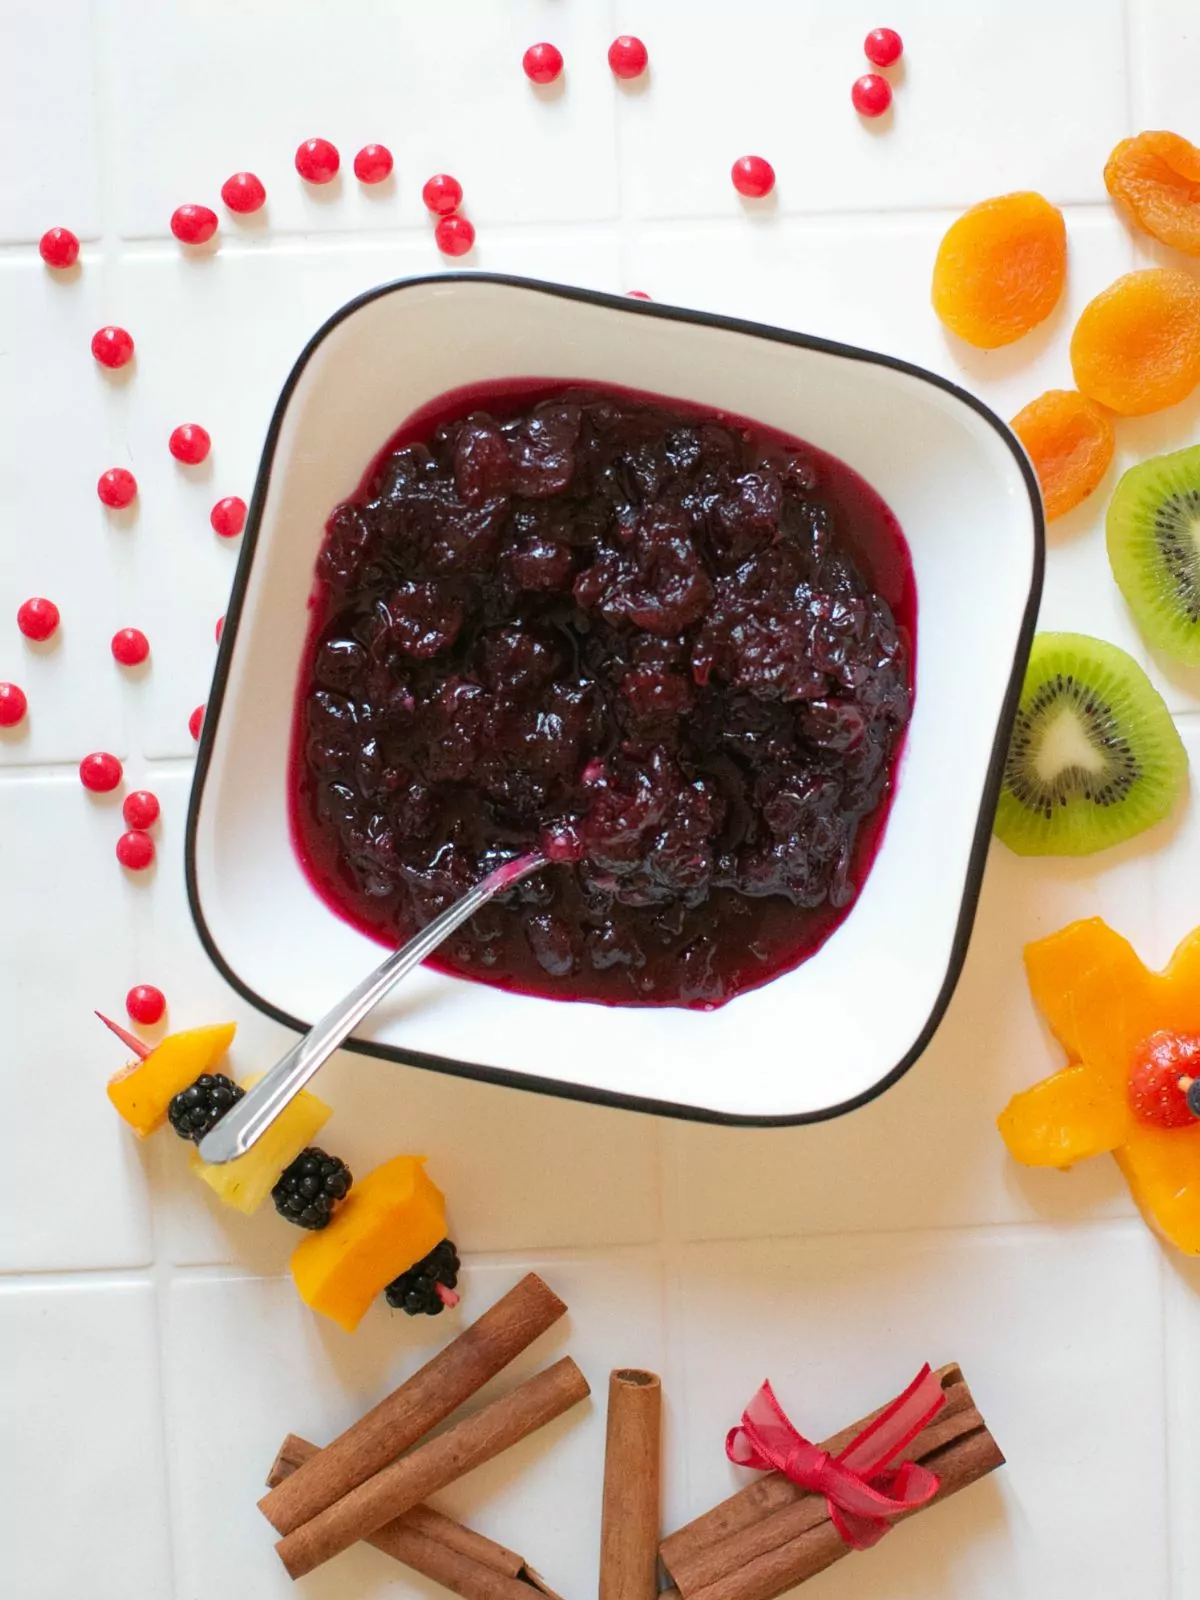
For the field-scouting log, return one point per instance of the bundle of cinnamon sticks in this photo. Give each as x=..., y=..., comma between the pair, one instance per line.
x=365, y=1486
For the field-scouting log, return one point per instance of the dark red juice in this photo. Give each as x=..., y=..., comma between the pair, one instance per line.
x=674, y=644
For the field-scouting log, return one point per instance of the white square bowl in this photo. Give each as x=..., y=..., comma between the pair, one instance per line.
x=813, y=1043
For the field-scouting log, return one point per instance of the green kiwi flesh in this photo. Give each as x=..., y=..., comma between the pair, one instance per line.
x=1094, y=756
x=1153, y=532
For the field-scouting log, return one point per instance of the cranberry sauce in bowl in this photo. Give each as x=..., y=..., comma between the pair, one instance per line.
x=673, y=648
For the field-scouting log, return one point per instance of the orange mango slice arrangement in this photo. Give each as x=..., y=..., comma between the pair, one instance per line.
x=1132, y=1038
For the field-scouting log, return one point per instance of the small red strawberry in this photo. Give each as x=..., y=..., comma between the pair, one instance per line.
x=1165, y=1066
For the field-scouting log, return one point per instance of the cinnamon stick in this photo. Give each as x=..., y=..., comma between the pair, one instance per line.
x=419, y=1404
x=461, y=1560
x=629, y=1527
x=774, y=1534
x=431, y=1466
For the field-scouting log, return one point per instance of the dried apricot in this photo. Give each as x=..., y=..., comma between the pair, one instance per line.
x=1000, y=269
x=1136, y=346
x=1157, y=175
x=1070, y=441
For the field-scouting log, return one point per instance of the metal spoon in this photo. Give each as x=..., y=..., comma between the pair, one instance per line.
x=246, y=1122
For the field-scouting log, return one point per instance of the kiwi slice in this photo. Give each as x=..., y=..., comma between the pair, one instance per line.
x=1094, y=756
x=1153, y=533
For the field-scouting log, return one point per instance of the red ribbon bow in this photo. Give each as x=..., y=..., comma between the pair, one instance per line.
x=862, y=1490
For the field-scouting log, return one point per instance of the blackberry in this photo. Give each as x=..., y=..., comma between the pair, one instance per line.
x=415, y=1292
x=311, y=1187
x=196, y=1109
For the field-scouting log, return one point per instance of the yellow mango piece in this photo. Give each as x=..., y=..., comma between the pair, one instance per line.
x=143, y=1090
x=1064, y=1119
x=247, y=1181
x=1093, y=990
x=390, y=1220
x=1162, y=1168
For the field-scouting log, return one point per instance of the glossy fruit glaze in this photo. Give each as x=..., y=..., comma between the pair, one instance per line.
x=674, y=647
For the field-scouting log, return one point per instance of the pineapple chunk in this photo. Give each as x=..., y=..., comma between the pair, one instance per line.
x=388, y=1222
x=144, y=1089
x=246, y=1182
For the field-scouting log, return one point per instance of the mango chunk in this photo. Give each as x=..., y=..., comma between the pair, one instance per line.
x=1162, y=1168
x=246, y=1182
x=1064, y=1119
x=390, y=1220
x=143, y=1090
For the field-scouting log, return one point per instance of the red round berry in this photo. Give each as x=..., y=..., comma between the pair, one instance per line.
x=1163, y=1069
x=753, y=176
x=883, y=46
x=13, y=705
x=145, y=1004
x=442, y=194
x=141, y=809
x=317, y=161
x=220, y=628
x=100, y=772
x=243, y=193
x=38, y=619
x=112, y=347
x=59, y=248
x=130, y=647
x=871, y=94
x=135, y=850
x=117, y=488
x=542, y=63
x=636, y=294
x=196, y=722
x=228, y=516
x=373, y=163
x=193, y=224
x=628, y=56
x=454, y=235
x=189, y=443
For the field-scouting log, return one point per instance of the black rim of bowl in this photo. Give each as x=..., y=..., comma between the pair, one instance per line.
x=991, y=790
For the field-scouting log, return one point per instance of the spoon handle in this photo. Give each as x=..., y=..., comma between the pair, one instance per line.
x=246, y=1122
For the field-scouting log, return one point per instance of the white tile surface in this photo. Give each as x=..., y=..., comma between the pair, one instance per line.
x=834, y=1258
x=49, y=121
x=85, y=1504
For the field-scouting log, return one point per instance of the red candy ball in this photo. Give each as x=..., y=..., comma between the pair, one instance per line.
x=117, y=488
x=636, y=294
x=100, y=772
x=189, y=443
x=135, y=850
x=196, y=722
x=220, y=628
x=454, y=235
x=243, y=193
x=317, y=161
x=13, y=705
x=1164, y=1067
x=145, y=1004
x=141, y=809
x=442, y=194
x=59, y=248
x=38, y=619
x=228, y=516
x=193, y=224
x=883, y=46
x=628, y=56
x=112, y=347
x=130, y=647
x=753, y=176
x=871, y=94
x=542, y=63
x=373, y=163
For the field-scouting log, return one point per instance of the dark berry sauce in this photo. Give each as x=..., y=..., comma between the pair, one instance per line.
x=673, y=646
